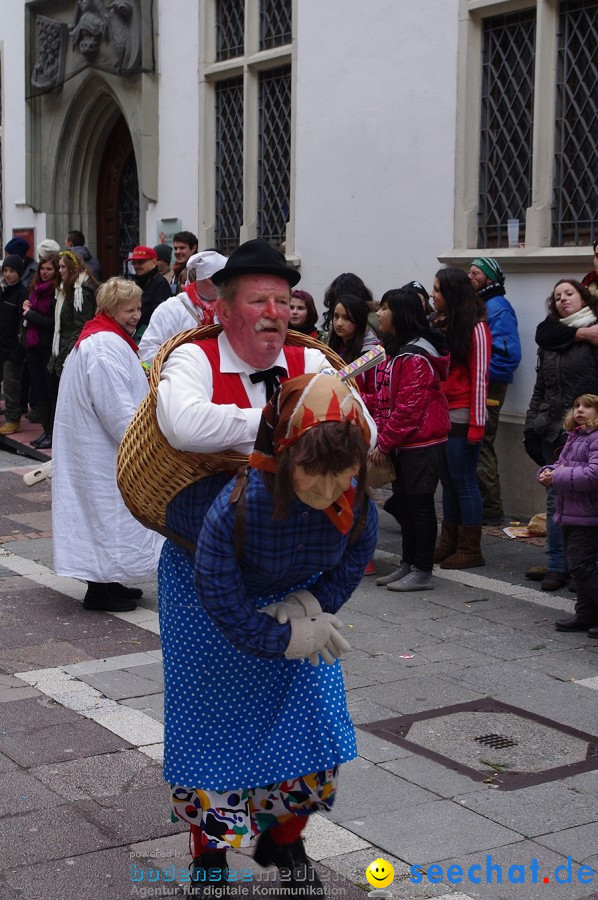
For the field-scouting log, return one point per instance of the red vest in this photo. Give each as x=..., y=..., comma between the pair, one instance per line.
x=227, y=387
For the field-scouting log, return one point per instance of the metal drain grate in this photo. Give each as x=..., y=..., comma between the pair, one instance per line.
x=496, y=741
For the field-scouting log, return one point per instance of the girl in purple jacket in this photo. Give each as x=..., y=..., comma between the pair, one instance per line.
x=574, y=479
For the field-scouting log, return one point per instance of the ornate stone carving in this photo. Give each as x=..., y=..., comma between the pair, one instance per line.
x=105, y=34
x=48, y=71
x=90, y=27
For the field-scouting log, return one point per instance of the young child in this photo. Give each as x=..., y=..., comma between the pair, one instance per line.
x=12, y=355
x=574, y=478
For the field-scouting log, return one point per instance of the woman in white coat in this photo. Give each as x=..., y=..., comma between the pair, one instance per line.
x=95, y=537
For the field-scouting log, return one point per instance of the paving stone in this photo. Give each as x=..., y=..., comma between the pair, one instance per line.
x=7, y=764
x=111, y=663
x=324, y=839
x=416, y=694
x=432, y=776
x=40, y=520
x=66, y=741
x=103, y=875
x=376, y=750
x=430, y=831
x=363, y=785
x=521, y=855
x=18, y=636
x=537, y=810
x=9, y=695
x=353, y=865
x=54, y=653
x=44, y=834
x=33, y=714
x=21, y=792
x=133, y=816
x=154, y=672
x=120, y=684
x=580, y=842
x=100, y=776
x=152, y=705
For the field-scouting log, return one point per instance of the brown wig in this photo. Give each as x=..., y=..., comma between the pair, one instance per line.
x=464, y=310
x=329, y=447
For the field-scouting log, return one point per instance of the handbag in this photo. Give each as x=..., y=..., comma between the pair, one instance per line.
x=380, y=475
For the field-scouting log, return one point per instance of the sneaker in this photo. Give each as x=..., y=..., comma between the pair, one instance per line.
x=370, y=569
x=396, y=575
x=415, y=580
x=10, y=427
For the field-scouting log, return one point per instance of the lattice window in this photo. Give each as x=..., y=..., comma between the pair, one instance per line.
x=575, y=208
x=230, y=29
x=229, y=163
x=275, y=23
x=506, y=125
x=129, y=212
x=274, y=163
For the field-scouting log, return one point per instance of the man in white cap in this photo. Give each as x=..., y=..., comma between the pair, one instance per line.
x=193, y=307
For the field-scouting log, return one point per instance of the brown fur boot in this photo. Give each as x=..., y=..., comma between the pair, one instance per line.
x=468, y=554
x=447, y=545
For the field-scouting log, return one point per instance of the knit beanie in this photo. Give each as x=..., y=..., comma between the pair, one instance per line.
x=490, y=267
x=19, y=246
x=12, y=261
x=47, y=248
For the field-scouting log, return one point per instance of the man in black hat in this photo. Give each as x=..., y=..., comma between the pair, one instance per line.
x=210, y=399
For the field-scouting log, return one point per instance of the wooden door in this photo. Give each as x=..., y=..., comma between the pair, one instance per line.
x=117, y=201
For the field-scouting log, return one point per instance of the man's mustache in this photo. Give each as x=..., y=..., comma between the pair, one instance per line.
x=268, y=324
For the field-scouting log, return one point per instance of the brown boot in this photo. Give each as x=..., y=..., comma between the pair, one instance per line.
x=447, y=545
x=468, y=554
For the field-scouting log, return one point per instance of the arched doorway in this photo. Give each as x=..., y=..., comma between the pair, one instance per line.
x=117, y=203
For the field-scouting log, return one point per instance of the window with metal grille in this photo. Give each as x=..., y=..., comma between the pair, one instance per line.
x=274, y=159
x=275, y=23
x=230, y=29
x=229, y=164
x=575, y=206
x=506, y=125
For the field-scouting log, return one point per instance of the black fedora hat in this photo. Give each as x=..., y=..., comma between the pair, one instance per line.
x=256, y=257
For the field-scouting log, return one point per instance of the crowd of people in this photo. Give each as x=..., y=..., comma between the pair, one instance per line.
x=255, y=568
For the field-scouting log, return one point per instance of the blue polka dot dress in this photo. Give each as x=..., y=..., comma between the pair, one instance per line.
x=235, y=720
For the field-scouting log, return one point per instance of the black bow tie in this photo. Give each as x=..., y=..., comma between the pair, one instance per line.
x=269, y=377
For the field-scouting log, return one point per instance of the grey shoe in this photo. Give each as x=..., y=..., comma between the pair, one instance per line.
x=396, y=575
x=415, y=580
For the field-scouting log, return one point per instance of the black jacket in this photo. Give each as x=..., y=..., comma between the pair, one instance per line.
x=155, y=291
x=12, y=298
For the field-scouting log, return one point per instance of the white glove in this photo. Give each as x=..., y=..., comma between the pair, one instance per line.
x=297, y=605
x=314, y=637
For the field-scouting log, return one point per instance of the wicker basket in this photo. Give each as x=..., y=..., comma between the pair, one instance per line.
x=149, y=472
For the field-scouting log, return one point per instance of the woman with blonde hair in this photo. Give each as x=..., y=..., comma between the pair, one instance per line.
x=95, y=537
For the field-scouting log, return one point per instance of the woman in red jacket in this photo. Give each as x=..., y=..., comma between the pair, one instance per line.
x=413, y=423
x=460, y=314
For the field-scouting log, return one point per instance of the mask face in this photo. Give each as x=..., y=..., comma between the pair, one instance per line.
x=320, y=491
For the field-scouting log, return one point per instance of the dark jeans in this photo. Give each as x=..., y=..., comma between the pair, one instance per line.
x=10, y=379
x=488, y=478
x=44, y=384
x=461, y=498
x=581, y=551
x=413, y=503
x=555, y=556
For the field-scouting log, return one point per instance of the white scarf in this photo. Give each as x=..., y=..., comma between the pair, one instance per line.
x=583, y=318
x=60, y=298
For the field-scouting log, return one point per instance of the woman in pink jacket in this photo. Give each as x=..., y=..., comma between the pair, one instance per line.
x=413, y=424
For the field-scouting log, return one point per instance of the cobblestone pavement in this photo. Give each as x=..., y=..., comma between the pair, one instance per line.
x=85, y=811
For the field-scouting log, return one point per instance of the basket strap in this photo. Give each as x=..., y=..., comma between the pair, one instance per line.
x=238, y=498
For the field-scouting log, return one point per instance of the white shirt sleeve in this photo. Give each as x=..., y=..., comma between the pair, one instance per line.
x=168, y=319
x=186, y=415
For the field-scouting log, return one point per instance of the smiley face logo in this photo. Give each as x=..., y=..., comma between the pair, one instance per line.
x=380, y=873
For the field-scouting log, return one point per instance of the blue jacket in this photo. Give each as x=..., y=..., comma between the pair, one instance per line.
x=506, y=347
